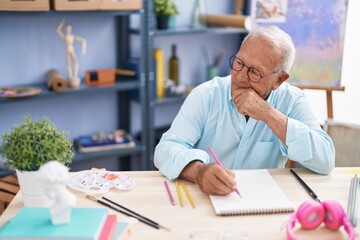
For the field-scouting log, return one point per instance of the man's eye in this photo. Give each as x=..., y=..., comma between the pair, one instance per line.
x=255, y=72
x=239, y=63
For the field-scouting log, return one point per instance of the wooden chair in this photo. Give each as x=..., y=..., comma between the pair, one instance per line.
x=9, y=186
x=346, y=138
x=290, y=164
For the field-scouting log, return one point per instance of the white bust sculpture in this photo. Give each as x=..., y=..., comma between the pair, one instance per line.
x=69, y=38
x=53, y=177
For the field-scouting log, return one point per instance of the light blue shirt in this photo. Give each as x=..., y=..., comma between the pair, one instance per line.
x=208, y=117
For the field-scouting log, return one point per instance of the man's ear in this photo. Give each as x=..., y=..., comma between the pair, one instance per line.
x=283, y=76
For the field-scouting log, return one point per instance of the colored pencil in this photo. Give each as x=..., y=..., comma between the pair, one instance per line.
x=169, y=193
x=179, y=194
x=188, y=195
x=352, y=208
x=221, y=165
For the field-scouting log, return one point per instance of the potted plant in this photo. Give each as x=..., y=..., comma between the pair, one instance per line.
x=165, y=11
x=27, y=147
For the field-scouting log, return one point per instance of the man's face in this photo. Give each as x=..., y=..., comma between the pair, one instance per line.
x=258, y=54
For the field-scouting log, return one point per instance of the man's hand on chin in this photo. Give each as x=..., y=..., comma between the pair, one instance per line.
x=248, y=102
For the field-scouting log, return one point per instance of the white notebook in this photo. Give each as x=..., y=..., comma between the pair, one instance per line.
x=260, y=195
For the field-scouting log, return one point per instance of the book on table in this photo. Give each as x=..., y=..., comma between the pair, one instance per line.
x=86, y=223
x=115, y=230
x=260, y=194
x=35, y=223
x=123, y=229
x=108, y=227
x=103, y=141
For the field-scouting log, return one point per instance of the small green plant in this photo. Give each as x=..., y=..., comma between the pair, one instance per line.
x=33, y=143
x=165, y=7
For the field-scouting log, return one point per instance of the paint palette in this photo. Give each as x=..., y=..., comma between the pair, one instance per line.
x=18, y=92
x=99, y=181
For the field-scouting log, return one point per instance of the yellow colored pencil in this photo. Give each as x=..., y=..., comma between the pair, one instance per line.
x=179, y=194
x=188, y=194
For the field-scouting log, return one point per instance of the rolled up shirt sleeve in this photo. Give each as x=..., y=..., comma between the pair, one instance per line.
x=307, y=143
x=176, y=147
x=171, y=158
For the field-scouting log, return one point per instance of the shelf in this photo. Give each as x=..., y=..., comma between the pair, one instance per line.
x=122, y=90
x=200, y=30
x=80, y=157
x=120, y=85
x=168, y=100
x=56, y=13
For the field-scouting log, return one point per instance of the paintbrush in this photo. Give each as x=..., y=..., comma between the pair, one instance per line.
x=129, y=213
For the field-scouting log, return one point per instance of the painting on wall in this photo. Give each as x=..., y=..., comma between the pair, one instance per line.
x=269, y=11
x=318, y=31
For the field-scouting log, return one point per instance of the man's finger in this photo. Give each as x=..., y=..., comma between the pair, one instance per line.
x=216, y=186
x=226, y=178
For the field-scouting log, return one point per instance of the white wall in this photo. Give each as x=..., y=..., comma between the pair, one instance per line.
x=345, y=104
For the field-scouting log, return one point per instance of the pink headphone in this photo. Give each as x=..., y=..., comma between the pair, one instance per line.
x=311, y=214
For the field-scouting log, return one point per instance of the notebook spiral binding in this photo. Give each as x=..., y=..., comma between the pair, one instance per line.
x=256, y=211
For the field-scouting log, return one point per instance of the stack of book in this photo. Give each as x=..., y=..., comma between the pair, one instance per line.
x=85, y=224
x=103, y=141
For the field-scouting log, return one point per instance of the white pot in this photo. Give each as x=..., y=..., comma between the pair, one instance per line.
x=31, y=189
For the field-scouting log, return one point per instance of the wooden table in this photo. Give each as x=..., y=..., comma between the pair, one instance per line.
x=149, y=198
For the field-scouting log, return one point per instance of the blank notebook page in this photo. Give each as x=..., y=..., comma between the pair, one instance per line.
x=260, y=195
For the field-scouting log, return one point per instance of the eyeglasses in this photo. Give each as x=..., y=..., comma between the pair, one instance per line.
x=253, y=74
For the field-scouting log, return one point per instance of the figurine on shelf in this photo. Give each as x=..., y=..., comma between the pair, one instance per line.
x=71, y=59
x=53, y=177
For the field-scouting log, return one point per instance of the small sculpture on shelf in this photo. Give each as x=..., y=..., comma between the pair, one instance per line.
x=71, y=59
x=171, y=89
x=53, y=177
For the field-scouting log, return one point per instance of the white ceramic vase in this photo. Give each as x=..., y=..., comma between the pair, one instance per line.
x=31, y=189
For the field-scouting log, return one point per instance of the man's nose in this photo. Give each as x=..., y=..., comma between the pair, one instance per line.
x=243, y=74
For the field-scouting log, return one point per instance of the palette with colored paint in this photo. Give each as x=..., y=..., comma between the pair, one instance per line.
x=99, y=181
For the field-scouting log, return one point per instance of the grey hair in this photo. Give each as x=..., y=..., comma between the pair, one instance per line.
x=280, y=40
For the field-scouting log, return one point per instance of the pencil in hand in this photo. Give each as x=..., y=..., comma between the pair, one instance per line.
x=221, y=165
